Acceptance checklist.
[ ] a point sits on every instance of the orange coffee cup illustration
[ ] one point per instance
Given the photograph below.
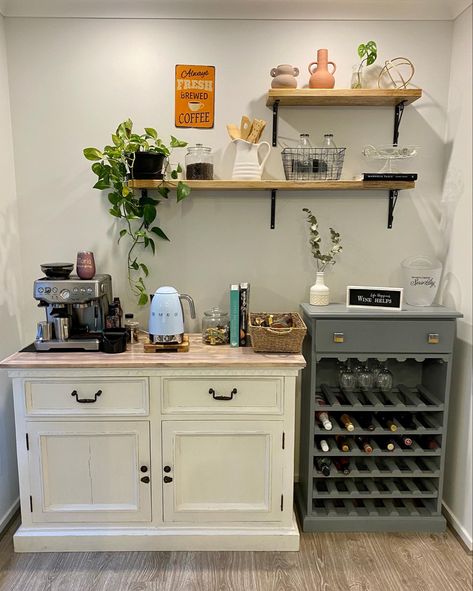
(195, 105)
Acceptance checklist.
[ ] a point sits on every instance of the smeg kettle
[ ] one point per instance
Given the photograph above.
(166, 316)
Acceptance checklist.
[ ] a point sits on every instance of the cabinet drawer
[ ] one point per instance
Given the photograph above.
(238, 395)
(389, 336)
(66, 396)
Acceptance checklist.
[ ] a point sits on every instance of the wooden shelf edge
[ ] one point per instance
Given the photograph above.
(231, 185)
(361, 97)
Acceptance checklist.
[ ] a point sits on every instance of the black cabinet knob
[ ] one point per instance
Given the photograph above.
(144, 468)
(167, 479)
(145, 479)
(167, 468)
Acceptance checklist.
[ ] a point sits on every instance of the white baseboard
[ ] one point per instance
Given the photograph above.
(9, 514)
(457, 526)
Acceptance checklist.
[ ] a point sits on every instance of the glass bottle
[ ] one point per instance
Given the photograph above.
(215, 327)
(302, 164)
(328, 141)
(131, 327)
(199, 163)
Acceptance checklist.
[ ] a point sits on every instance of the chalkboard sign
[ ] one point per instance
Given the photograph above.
(359, 296)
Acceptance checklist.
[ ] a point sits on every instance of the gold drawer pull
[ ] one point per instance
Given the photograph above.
(338, 337)
(433, 338)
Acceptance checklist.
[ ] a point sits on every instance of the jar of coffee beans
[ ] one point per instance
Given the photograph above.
(199, 163)
(215, 327)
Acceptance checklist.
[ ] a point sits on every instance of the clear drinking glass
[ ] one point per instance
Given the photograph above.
(365, 378)
(347, 378)
(384, 380)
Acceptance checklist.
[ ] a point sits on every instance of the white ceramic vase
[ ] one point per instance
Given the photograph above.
(247, 160)
(319, 292)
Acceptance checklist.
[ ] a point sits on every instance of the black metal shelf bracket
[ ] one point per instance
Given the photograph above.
(273, 208)
(275, 122)
(393, 195)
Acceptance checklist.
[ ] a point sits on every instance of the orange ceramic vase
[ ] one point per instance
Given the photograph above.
(320, 76)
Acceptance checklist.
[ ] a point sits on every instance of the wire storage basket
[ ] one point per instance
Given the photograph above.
(313, 164)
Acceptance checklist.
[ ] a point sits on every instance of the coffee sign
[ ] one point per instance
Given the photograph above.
(359, 296)
(195, 96)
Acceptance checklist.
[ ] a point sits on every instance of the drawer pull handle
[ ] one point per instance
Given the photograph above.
(86, 400)
(145, 479)
(167, 479)
(338, 337)
(144, 469)
(433, 338)
(167, 469)
(217, 397)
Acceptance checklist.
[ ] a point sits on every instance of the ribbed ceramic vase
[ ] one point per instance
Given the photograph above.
(319, 292)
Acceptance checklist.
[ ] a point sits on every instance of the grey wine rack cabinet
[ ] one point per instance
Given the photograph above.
(398, 490)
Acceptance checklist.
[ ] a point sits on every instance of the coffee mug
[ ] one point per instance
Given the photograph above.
(195, 105)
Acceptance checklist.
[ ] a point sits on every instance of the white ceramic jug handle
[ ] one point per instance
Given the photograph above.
(262, 163)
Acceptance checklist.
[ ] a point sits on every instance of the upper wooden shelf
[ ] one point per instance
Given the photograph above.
(277, 184)
(342, 97)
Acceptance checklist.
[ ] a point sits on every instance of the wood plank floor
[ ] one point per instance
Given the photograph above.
(326, 562)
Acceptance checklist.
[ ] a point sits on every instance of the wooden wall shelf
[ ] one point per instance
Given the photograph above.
(280, 185)
(342, 97)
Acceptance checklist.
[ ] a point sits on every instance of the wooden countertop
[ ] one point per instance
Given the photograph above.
(199, 355)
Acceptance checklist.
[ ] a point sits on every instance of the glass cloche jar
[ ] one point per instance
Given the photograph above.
(199, 163)
(215, 327)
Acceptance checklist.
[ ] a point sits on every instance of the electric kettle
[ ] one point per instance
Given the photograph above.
(166, 316)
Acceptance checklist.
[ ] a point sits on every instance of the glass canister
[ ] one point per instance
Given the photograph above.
(199, 163)
(215, 327)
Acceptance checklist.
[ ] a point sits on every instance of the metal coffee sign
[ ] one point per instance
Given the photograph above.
(195, 96)
(359, 296)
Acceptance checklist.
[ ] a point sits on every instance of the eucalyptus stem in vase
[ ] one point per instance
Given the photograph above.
(319, 292)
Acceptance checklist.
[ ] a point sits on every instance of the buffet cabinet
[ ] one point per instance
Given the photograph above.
(156, 458)
(386, 472)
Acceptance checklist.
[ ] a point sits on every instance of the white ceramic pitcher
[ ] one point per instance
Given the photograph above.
(247, 160)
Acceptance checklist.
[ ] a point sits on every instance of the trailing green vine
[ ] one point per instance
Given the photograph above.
(136, 211)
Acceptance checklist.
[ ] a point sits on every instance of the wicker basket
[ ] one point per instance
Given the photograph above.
(277, 340)
(313, 164)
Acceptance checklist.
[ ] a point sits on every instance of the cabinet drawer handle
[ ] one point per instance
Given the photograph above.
(167, 479)
(433, 338)
(86, 400)
(145, 479)
(217, 397)
(338, 337)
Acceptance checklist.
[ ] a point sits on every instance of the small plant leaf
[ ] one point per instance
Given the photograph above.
(93, 154)
(371, 59)
(122, 233)
(183, 191)
(151, 132)
(361, 49)
(143, 299)
(159, 233)
(175, 143)
(152, 244)
(145, 269)
(115, 212)
(101, 185)
(149, 214)
(164, 191)
(98, 168)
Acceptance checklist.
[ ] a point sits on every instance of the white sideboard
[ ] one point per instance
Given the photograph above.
(169, 451)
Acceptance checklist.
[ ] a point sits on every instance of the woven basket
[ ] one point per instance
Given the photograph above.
(265, 339)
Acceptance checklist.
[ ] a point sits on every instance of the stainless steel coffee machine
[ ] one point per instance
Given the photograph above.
(75, 312)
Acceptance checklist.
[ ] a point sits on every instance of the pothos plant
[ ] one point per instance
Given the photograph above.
(368, 52)
(322, 260)
(137, 212)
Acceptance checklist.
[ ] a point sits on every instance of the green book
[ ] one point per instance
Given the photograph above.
(234, 315)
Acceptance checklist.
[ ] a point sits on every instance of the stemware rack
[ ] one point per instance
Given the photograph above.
(397, 490)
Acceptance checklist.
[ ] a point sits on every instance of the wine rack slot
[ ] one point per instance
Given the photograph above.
(373, 423)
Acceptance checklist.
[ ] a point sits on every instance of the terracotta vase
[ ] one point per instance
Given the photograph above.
(321, 77)
(284, 76)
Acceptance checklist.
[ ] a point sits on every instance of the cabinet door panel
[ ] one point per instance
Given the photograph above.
(89, 472)
(223, 471)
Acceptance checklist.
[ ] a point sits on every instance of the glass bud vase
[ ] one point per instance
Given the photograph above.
(319, 292)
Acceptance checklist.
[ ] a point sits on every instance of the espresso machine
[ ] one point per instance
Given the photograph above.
(75, 312)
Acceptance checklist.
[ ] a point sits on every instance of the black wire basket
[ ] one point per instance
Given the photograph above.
(313, 164)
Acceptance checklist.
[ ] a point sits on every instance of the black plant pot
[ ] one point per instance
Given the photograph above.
(147, 165)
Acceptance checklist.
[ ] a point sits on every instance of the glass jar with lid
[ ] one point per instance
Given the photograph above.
(215, 327)
(199, 163)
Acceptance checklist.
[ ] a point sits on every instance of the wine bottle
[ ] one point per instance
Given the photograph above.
(390, 445)
(342, 443)
(323, 465)
(364, 444)
(320, 400)
(323, 417)
(342, 465)
(366, 421)
(405, 441)
(346, 421)
(324, 446)
(430, 443)
(387, 422)
(406, 420)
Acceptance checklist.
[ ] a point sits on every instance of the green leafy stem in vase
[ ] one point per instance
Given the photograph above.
(368, 52)
(136, 211)
(322, 260)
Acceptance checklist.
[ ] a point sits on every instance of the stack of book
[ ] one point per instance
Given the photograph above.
(239, 314)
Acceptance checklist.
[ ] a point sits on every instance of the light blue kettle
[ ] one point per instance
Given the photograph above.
(166, 316)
